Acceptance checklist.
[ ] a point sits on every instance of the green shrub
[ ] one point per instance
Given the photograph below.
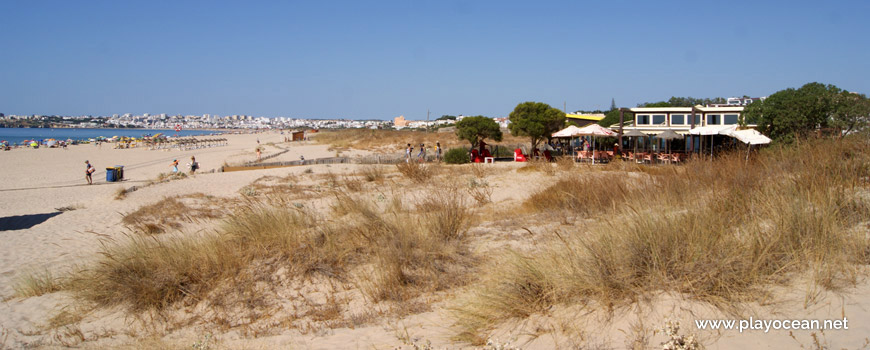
(457, 156)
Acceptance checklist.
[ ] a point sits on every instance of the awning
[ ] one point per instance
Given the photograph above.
(713, 130)
(750, 136)
(592, 117)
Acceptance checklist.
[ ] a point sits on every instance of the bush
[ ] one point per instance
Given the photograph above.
(457, 156)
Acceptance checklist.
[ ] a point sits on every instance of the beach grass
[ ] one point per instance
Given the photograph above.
(36, 283)
(719, 232)
(392, 251)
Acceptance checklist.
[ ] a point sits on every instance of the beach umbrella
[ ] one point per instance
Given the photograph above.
(667, 135)
(634, 133)
(594, 130)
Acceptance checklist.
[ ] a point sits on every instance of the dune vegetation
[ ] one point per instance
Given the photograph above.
(719, 232)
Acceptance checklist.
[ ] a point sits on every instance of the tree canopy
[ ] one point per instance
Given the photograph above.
(675, 101)
(537, 120)
(791, 113)
(612, 117)
(478, 128)
(447, 117)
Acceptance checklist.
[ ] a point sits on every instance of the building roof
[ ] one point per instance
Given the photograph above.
(686, 109)
(592, 117)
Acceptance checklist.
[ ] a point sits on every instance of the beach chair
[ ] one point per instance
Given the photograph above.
(475, 157)
(519, 156)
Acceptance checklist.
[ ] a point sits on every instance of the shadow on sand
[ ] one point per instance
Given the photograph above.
(23, 222)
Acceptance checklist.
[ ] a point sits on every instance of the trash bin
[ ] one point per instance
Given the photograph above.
(120, 175)
(111, 175)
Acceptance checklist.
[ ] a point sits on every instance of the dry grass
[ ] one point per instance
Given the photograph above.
(418, 172)
(392, 253)
(171, 212)
(480, 191)
(717, 232)
(36, 283)
(539, 165)
(372, 172)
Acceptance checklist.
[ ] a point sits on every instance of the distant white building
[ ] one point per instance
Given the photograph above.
(742, 101)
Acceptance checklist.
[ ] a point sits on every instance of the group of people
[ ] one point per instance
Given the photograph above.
(194, 165)
(421, 156)
(90, 170)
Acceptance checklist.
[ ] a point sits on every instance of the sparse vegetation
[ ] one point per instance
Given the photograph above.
(36, 283)
(372, 172)
(718, 232)
(171, 212)
(417, 172)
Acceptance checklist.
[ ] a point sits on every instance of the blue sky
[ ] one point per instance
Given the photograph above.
(381, 59)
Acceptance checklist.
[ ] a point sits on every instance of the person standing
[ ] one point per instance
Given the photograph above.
(438, 151)
(193, 165)
(174, 166)
(89, 170)
(408, 151)
(421, 157)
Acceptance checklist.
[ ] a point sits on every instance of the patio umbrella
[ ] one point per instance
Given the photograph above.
(668, 135)
(634, 133)
(594, 130)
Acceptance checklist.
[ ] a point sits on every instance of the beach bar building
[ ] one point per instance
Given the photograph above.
(655, 120)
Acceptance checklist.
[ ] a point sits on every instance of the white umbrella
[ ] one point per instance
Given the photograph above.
(570, 131)
(594, 130)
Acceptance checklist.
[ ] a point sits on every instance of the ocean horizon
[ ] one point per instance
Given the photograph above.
(18, 135)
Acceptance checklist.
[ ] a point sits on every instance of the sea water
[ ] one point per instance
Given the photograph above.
(17, 135)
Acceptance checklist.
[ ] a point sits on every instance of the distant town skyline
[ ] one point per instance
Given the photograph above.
(361, 60)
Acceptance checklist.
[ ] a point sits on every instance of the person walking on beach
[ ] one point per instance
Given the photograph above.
(174, 166)
(438, 151)
(408, 152)
(421, 157)
(89, 170)
(193, 165)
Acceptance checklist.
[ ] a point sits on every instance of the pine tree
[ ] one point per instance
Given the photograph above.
(612, 104)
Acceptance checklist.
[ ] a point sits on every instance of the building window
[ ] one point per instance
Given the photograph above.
(698, 119)
(678, 119)
(731, 119)
(713, 119)
(658, 119)
(643, 119)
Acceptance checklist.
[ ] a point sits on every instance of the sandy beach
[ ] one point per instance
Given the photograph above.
(63, 220)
